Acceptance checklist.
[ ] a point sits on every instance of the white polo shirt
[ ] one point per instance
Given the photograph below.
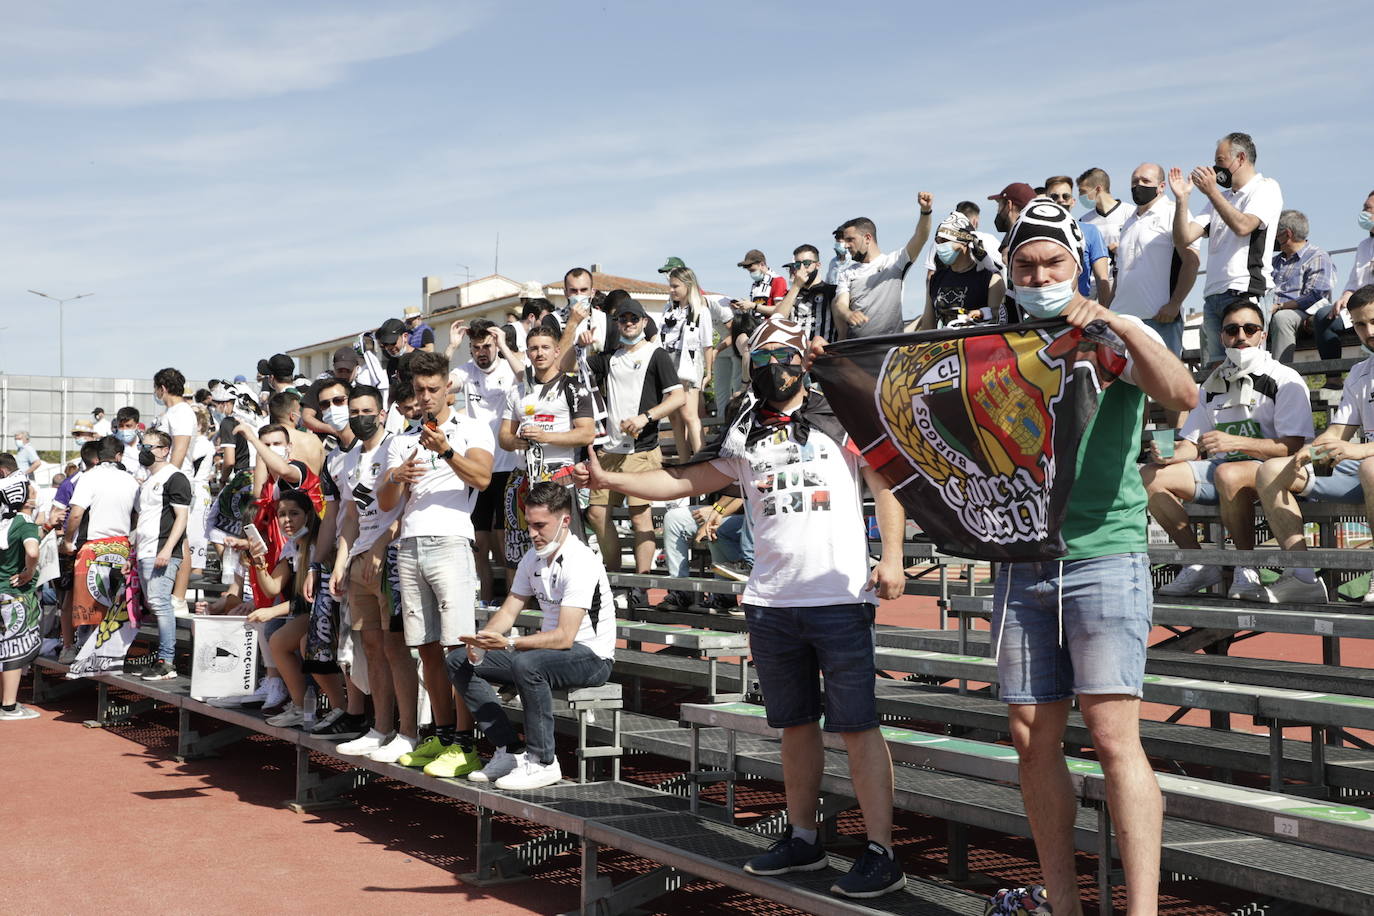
(1145, 259)
(1357, 407)
(107, 494)
(574, 578)
(439, 503)
(1242, 262)
(1362, 271)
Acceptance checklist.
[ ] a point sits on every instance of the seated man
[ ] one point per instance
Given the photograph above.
(727, 537)
(574, 648)
(1334, 469)
(1250, 408)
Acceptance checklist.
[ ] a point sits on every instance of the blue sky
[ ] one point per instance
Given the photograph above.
(235, 179)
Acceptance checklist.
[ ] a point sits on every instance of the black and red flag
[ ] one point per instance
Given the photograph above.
(976, 430)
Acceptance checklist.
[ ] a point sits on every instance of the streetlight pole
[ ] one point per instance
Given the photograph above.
(62, 361)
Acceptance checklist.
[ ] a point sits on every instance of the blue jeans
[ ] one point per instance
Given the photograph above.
(1103, 606)
(157, 595)
(535, 672)
(680, 527)
(1170, 332)
(794, 646)
(438, 575)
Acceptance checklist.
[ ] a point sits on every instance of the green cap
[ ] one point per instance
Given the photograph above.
(670, 264)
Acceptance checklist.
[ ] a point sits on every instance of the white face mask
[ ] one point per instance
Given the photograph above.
(336, 417)
(550, 548)
(279, 450)
(1244, 358)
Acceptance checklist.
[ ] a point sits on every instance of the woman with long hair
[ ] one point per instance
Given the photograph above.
(687, 333)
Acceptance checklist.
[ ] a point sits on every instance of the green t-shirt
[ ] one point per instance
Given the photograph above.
(12, 556)
(1107, 504)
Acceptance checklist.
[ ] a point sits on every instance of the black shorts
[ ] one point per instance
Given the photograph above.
(490, 511)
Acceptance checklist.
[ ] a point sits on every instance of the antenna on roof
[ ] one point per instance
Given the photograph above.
(496, 262)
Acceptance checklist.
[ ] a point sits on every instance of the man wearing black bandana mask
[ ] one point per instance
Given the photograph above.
(1153, 277)
(811, 599)
(1240, 218)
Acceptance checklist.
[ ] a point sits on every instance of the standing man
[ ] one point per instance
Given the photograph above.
(180, 424)
(1105, 212)
(1362, 270)
(1095, 280)
(1240, 219)
(589, 332)
(434, 471)
(419, 335)
(869, 303)
(486, 382)
(809, 299)
(641, 387)
(1153, 276)
(99, 423)
(25, 455)
(102, 516)
(767, 288)
(1102, 584)
(810, 601)
(574, 647)
(1303, 278)
(164, 504)
(841, 263)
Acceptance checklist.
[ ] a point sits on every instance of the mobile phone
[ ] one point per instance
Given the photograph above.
(256, 545)
(432, 421)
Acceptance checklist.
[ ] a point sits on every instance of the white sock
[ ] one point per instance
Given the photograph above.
(1305, 575)
(807, 835)
(1194, 568)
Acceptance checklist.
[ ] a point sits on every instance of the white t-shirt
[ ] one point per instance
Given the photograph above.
(180, 420)
(810, 540)
(678, 332)
(1362, 271)
(520, 332)
(203, 451)
(1281, 407)
(102, 427)
(1109, 223)
(159, 499)
(595, 322)
(875, 288)
(1242, 262)
(575, 578)
(107, 495)
(439, 503)
(358, 480)
(546, 406)
(486, 395)
(1145, 259)
(1357, 399)
(721, 312)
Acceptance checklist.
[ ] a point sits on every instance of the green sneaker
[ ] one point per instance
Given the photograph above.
(422, 755)
(454, 761)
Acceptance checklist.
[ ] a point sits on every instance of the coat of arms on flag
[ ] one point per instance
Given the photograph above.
(976, 430)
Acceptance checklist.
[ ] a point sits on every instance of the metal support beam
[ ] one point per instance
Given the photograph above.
(498, 863)
(192, 745)
(628, 895)
(314, 791)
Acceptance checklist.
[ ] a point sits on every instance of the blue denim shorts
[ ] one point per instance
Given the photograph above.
(1341, 486)
(1204, 481)
(1106, 606)
(794, 647)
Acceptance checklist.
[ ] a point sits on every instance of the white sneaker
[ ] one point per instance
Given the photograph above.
(1246, 586)
(1369, 595)
(289, 717)
(531, 774)
(1289, 589)
(1192, 579)
(501, 763)
(276, 692)
(393, 749)
(363, 745)
(179, 607)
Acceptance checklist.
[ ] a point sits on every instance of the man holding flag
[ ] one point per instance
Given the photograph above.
(811, 599)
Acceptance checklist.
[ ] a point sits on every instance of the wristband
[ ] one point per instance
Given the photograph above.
(717, 510)
(927, 212)
(510, 643)
(447, 453)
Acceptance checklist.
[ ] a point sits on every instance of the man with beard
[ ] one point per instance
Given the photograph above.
(811, 599)
(869, 302)
(809, 298)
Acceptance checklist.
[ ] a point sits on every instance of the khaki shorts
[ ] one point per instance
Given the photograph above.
(651, 460)
(368, 607)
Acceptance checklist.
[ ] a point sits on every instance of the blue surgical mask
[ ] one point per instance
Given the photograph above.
(757, 276)
(127, 436)
(840, 249)
(1046, 301)
(1366, 221)
(1365, 349)
(1086, 202)
(947, 252)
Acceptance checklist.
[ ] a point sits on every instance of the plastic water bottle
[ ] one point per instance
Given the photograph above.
(311, 704)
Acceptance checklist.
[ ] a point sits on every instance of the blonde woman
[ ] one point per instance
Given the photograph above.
(687, 336)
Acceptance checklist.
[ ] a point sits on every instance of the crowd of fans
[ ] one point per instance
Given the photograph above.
(364, 515)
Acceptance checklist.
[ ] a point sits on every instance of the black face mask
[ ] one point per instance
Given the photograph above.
(776, 383)
(1223, 177)
(1143, 194)
(364, 427)
(1002, 222)
(146, 458)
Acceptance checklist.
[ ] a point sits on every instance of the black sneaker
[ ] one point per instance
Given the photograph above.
(676, 601)
(789, 853)
(874, 873)
(637, 597)
(341, 727)
(67, 655)
(159, 671)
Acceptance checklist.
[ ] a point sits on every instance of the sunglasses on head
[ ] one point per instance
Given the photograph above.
(784, 355)
(1235, 329)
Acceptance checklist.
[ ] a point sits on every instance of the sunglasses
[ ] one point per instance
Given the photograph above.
(628, 319)
(1065, 196)
(339, 401)
(806, 263)
(1235, 329)
(784, 355)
